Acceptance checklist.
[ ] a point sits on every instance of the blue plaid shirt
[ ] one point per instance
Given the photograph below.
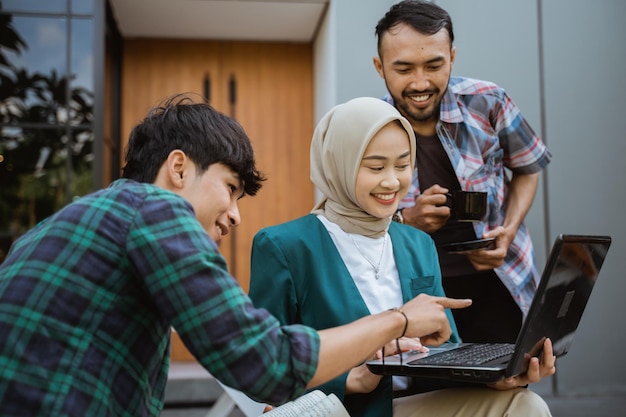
(483, 131)
(88, 297)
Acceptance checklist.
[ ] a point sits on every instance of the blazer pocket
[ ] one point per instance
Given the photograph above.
(421, 285)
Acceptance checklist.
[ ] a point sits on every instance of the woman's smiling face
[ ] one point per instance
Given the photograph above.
(385, 172)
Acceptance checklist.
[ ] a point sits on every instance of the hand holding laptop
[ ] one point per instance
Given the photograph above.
(538, 368)
(427, 319)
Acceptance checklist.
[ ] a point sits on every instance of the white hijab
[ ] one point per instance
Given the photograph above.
(338, 144)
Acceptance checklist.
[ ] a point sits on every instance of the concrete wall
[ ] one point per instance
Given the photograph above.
(585, 63)
(563, 62)
(344, 50)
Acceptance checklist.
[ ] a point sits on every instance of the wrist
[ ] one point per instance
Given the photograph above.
(406, 320)
(361, 381)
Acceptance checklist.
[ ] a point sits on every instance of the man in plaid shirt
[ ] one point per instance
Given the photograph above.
(468, 131)
(88, 296)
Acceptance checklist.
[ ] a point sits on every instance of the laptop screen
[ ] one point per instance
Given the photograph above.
(568, 278)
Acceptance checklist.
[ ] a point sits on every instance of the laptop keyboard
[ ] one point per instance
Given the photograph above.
(474, 354)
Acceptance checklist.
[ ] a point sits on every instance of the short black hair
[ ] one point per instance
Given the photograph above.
(204, 134)
(423, 16)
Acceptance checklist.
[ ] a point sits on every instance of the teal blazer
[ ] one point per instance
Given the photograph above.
(298, 275)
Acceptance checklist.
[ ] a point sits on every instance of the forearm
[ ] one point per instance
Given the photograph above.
(344, 347)
(521, 196)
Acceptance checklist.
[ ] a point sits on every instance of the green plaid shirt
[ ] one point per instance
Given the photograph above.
(87, 299)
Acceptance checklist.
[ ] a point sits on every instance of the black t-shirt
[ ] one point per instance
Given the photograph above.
(434, 167)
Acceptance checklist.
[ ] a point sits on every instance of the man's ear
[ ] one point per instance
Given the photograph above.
(378, 64)
(172, 174)
(452, 57)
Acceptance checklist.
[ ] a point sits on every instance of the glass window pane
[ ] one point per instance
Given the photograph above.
(34, 82)
(82, 72)
(82, 6)
(54, 6)
(31, 176)
(34, 177)
(44, 162)
(8, 187)
(81, 150)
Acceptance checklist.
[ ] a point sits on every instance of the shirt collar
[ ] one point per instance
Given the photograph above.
(450, 111)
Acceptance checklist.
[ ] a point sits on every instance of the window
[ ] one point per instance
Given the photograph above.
(46, 110)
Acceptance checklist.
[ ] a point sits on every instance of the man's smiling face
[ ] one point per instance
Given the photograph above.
(416, 69)
(214, 195)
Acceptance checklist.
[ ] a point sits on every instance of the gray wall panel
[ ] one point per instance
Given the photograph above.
(585, 90)
(356, 47)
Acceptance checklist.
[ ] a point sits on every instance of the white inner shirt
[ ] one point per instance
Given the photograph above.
(379, 294)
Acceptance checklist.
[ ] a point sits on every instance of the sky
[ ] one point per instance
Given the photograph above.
(46, 38)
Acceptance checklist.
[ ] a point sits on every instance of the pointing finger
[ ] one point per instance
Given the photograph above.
(454, 302)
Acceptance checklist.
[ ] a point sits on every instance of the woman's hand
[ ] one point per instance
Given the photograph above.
(537, 370)
(360, 380)
(406, 344)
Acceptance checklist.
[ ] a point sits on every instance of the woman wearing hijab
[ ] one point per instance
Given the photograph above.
(347, 259)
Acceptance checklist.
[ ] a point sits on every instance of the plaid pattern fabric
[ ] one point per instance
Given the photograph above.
(88, 297)
(483, 132)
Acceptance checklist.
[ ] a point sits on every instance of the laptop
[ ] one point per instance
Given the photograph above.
(570, 273)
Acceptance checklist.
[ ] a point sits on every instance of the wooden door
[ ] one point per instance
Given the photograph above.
(154, 69)
(273, 101)
(274, 90)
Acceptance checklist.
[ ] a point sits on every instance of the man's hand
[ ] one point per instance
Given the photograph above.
(537, 370)
(522, 191)
(429, 213)
(427, 318)
(485, 259)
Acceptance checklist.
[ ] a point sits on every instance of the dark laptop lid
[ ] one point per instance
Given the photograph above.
(568, 278)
